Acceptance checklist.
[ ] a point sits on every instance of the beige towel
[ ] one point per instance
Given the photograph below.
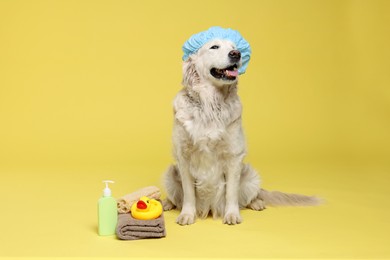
(124, 204)
(129, 228)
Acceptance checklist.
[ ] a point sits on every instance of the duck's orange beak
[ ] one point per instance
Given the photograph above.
(141, 204)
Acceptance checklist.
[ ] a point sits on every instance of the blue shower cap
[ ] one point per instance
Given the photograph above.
(196, 41)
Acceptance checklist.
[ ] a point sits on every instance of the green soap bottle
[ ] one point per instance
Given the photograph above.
(107, 212)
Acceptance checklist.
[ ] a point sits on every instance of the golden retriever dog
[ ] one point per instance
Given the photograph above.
(209, 176)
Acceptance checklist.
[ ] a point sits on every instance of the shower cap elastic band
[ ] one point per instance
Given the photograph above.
(196, 41)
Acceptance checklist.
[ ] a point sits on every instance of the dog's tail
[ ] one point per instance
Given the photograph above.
(277, 198)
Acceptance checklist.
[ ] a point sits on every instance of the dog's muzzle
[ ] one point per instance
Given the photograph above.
(229, 73)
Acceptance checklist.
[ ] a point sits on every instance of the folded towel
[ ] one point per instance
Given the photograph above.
(129, 228)
(124, 204)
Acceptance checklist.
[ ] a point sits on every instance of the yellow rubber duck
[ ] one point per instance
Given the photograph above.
(146, 209)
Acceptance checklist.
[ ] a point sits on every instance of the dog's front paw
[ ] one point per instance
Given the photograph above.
(232, 218)
(185, 219)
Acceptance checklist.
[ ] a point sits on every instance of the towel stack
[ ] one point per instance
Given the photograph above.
(129, 228)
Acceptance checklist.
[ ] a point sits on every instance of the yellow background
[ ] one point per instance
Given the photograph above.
(86, 89)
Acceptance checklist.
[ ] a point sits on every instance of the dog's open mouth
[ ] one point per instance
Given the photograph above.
(229, 73)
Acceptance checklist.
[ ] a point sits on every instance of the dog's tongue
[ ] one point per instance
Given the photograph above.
(232, 73)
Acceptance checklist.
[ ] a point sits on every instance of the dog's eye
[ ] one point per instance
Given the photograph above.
(214, 47)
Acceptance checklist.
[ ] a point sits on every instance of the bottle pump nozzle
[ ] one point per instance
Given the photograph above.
(107, 191)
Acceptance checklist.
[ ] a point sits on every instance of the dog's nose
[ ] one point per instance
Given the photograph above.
(235, 55)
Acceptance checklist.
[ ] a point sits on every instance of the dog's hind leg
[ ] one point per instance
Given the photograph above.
(249, 195)
(257, 203)
(174, 189)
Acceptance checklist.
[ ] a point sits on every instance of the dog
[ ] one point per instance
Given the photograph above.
(209, 176)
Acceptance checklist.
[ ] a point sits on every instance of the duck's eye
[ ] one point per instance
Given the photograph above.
(214, 47)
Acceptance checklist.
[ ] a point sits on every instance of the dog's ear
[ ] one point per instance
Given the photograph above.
(190, 75)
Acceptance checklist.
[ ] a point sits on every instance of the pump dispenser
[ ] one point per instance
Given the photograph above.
(107, 191)
(107, 212)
